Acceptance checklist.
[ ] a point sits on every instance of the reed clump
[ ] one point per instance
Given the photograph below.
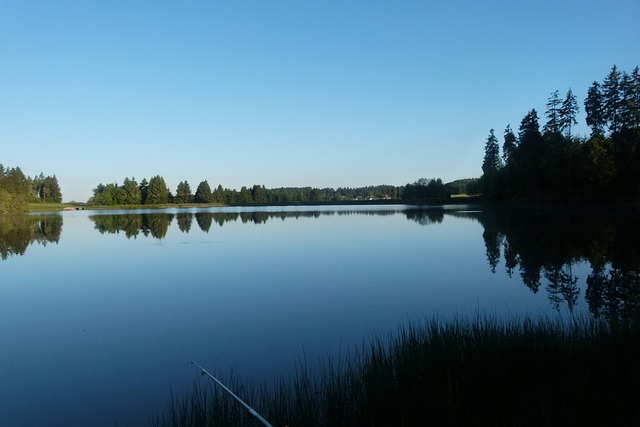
(476, 372)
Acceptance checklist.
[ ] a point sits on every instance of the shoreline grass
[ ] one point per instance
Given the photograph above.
(480, 372)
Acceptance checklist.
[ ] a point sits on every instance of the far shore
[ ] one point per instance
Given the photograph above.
(73, 206)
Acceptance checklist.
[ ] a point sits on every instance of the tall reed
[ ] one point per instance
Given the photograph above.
(478, 372)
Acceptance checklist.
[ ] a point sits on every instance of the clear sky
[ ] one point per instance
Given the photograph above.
(288, 93)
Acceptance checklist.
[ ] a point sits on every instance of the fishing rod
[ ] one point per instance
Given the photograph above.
(249, 408)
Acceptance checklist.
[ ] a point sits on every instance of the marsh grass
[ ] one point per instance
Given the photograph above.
(476, 372)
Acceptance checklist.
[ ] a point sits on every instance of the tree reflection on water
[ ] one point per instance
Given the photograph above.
(540, 245)
(547, 243)
(18, 232)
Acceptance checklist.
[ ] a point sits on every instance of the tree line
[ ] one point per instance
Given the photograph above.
(553, 163)
(156, 192)
(18, 190)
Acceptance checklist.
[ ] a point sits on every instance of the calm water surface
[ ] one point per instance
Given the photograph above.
(101, 312)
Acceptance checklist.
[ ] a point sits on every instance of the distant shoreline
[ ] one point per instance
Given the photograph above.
(36, 207)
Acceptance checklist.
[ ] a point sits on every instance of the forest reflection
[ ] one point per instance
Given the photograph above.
(157, 224)
(543, 245)
(18, 232)
(539, 246)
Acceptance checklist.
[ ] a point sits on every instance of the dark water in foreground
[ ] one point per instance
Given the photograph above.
(101, 312)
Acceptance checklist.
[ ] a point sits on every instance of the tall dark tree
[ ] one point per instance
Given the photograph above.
(37, 182)
(530, 155)
(612, 96)
(568, 113)
(635, 97)
(259, 194)
(630, 99)
(129, 193)
(203, 193)
(50, 190)
(529, 130)
(144, 189)
(594, 108)
(553, 114)
(15, 190)
(158, 192)
(183, 193)
(219, 195)
(492, 162)
(245, 195)
(509, 146)
(491, 166)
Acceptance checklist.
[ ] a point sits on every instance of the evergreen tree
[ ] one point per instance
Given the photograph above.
(594, 108)
(553, 114)
(568, 113)
(203, 193)
(245, 195)
(157, 192)
(183, 193)
(635, 98)
(630, 97)
(49, 190)
(54, 188)
(37, 183)
(15, 190)
(529, 155)
(144, 189)
(259, 194)
(129, 193)
(612, 97)
(509, 146)
(491, 163)
(529, 130)
(219, 195)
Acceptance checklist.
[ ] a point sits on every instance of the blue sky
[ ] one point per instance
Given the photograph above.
(288, 93)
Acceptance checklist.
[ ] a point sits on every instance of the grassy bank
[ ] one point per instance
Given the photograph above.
(48, 207)
(481, 372)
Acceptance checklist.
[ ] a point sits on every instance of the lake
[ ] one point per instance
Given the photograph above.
(101, 312)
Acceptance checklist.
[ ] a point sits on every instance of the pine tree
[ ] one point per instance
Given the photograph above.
(553, 114)
(129, 193)
(612, 97)
(635, 98)
(529, 131)
(530, 155)
(203, 193)
(15, 190)
(144, 189)
(183, 193)
(509, 146)
(629, 108)
(219, 195)
(158, 192)
(492, 162)
(568, 112)
(594, 108)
